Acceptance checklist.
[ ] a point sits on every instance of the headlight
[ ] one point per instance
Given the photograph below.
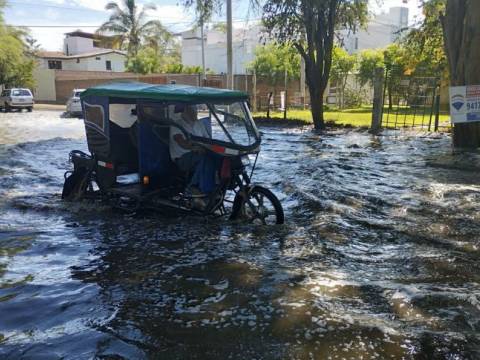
(245, 160)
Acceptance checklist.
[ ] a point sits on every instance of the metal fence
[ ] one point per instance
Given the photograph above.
(411, 102)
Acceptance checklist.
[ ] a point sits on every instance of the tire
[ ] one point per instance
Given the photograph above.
(76, 185)
(7, 108)
(30, 109)
(256, 210)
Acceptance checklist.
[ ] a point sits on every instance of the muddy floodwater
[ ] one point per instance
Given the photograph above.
(379, 257)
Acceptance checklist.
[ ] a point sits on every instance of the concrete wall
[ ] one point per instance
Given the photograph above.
(98, 63)
(73, 45)
(44, 90)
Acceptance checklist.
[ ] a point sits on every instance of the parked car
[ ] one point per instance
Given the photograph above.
(16, 98)
(74, 106)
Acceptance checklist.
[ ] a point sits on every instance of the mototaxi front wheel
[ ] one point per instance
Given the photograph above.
(260, 206)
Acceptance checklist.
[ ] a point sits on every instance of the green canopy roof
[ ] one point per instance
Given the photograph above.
(181, 93)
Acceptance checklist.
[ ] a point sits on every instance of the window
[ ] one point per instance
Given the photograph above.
(55, 64)
(6, 93)
(98, 58)
(108, 65)
(356, 43)
(78, 60)
(94, 116)
(21, 92)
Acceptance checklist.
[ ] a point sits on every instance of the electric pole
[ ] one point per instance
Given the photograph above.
(204, 72)
(229, 46)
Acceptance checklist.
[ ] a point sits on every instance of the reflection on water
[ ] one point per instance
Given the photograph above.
(379, 258)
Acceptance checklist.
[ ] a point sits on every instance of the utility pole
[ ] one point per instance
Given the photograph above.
(302, 80)
(229, 46)
(204, 72)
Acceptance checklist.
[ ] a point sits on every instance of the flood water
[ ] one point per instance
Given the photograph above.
(379, 257)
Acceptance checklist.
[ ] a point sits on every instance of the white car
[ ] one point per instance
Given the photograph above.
(16, 99)
(74, 106)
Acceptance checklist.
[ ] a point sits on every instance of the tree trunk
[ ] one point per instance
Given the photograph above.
(390, 97)
(316, 90)
(462, 38)
(316, 103)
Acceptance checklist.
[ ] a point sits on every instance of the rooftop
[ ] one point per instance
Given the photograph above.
(61, 55)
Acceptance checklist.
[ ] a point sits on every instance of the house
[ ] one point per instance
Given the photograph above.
(84, 55)
(381, 31)
(215, 41)
(99, 60)
(84, 51)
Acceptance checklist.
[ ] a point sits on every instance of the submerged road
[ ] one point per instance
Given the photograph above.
(379, 257)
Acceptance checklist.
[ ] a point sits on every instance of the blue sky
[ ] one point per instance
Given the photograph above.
(46, 18)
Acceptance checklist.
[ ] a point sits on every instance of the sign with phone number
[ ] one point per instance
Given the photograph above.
(465, 103)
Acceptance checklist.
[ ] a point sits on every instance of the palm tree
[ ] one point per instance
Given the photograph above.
(128, 24)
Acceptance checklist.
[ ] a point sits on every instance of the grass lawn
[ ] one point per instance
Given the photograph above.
(361, 117)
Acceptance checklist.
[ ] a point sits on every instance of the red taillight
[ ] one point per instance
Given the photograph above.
(226, 170)
(218, 149)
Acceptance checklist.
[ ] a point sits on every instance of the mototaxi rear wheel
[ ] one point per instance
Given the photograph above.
(260, 206)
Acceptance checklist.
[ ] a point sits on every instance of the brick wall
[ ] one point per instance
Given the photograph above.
(66, 81)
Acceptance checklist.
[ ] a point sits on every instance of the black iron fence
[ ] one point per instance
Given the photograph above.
(411, 102)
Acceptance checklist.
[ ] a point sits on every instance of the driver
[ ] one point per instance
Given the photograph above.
(184, 154)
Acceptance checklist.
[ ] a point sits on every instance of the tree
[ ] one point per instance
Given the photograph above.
(310, 25)
(16, 64)
(274, 61)
(424, 46)
(129, 24)
(395, 62)
(145, 62)
(368, 61)
(342, 65)
(461, 36)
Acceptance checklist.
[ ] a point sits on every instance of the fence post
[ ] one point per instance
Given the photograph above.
(285, 96)
(254, 91)
(437, 111)
(377, 100)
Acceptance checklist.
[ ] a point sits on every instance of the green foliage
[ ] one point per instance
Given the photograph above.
(204, 9)
(395, 59)
(342, 65)
(272, 60)
(16, 64)
(368, 61)
(131, 28)
(311, 27)
(220, 26)
(354, 98)
(178, 68)
(424, 45)
(145, 62)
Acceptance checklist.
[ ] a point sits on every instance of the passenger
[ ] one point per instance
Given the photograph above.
(187, 156)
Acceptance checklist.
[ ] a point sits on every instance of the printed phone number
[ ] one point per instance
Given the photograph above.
(475, 105)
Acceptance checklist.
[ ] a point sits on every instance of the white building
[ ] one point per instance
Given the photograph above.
(80, 42)
(381, 31)
(82, 52)
(244, 43)
(100, 60)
